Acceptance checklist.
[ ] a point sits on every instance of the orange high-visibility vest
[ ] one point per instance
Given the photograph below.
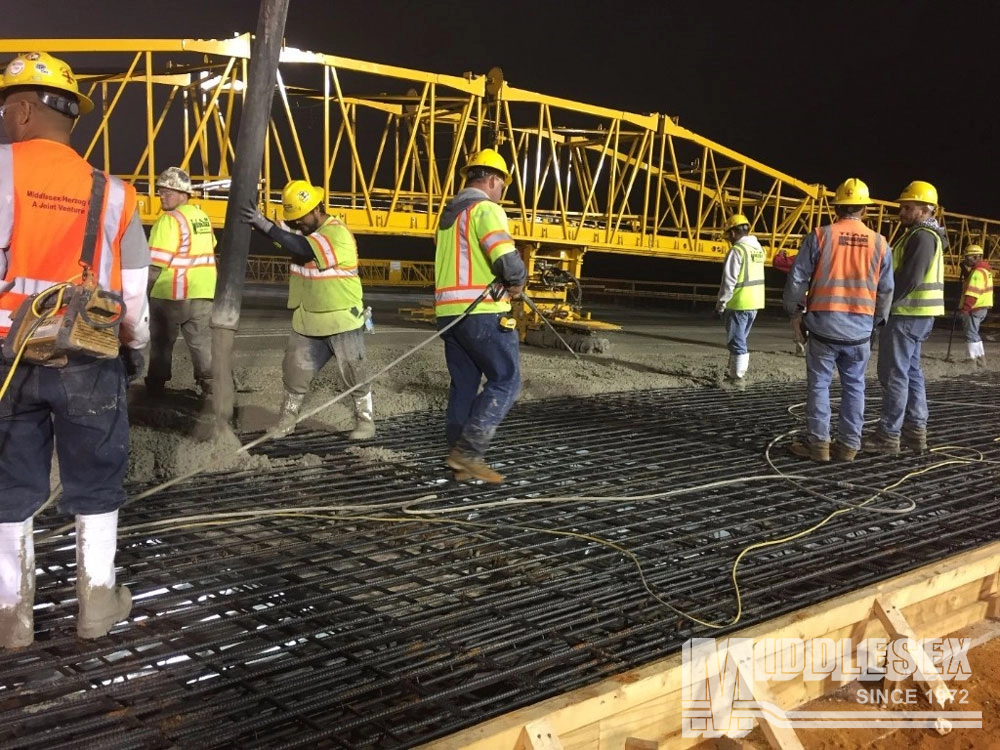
(979, 286)
(44, 196)
(848, 268)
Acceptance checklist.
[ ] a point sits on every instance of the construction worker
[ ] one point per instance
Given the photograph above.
(846, 269)
(324, 290)
(182, 283)
(918, 268)
(474, 249)
(977, 299)
(741, 293)
(48, 195)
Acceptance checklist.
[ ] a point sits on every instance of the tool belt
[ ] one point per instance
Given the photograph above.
(70, 319)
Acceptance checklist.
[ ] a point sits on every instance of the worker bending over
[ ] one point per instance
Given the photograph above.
(977, 299)
(324, 290)
(918, 266)
(741, 293)
(63, 221)
(846, 269)
(182, 283)
(474, 248)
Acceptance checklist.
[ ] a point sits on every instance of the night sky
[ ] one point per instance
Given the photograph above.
(886, 91)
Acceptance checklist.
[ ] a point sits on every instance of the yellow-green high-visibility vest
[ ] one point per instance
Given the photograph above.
(464, 258)
(927, 299)
(182, 244)
(749, 292)
(980, 287)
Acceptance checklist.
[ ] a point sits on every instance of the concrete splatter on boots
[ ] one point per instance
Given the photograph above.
(472, 467)
(364, 418)
(913, 437)
(290, 409)
(882, 443)
(17, 585)
(814, 450)
(841, 452)
(102, 603)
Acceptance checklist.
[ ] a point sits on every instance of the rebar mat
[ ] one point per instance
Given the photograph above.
(370, 627)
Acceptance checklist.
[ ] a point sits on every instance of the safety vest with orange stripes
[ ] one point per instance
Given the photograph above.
(979, 286)
(463, 263)
(182, 243)
(326, 292)
(45, 190)
(848, 267)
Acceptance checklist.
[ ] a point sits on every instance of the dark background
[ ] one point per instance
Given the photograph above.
(885, 91)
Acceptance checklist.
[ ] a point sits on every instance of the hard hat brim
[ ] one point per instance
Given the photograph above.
(465, 170)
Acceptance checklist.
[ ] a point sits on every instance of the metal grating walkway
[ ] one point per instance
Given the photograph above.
(308, 627)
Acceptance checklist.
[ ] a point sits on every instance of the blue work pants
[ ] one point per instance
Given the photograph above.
(971, 322)
(82, 407)
(904, 398)
(850, 361)
(738, 324)
(475, 348)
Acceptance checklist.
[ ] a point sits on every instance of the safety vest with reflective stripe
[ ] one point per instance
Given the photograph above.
(749, 291)
(464, 259)
(979, 286)
(927, 299)
(182, 243)
(326, 292)
(45, 192)
(848, 268)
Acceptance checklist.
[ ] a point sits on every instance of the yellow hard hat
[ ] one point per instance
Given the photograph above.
(973, 250)
(299, 198)
(488, 158)
(919, 191)
(42, 69)
(852, 192)
(737, 220)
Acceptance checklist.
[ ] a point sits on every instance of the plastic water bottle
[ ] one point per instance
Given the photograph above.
(369, 323)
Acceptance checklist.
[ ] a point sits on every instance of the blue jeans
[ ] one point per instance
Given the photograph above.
(82, 406)
(903, 396)
(479, 347)
(971, 323)
(850, 361)
(738, 324)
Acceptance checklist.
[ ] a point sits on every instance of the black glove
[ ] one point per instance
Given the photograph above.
(133, 361)
(250, 215)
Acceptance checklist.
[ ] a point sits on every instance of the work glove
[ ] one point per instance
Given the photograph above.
(799, 326)
(250, 215)
(133, 360)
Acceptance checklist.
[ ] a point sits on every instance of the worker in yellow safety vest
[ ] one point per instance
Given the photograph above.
(474, 249)
(977, 299)
(741, 293)
(324, 291)
(60, 220)
(918, 270)
(182, 283)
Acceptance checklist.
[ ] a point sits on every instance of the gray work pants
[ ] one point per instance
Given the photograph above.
(189, 317)
(306, 355)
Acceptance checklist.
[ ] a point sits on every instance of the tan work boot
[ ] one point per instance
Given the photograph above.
(879, 442)
(475, 468)
(290, 409)
(818, 451)
(914, 438)
(17, 585)
(841, 452)
(364, 418)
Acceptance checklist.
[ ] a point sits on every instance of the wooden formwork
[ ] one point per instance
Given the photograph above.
(641, 709)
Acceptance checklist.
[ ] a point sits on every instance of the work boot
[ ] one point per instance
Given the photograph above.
(290, 409)
(156, 388)
(841, 452)
(474, 467)
(814, 450)
(102, 603)
(882, 443)
(17, 585)
(914, 438)
(364, 418)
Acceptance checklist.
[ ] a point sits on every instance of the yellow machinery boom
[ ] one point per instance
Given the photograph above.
(385, 143)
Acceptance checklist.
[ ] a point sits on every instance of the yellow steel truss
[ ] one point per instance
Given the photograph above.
(385, 142)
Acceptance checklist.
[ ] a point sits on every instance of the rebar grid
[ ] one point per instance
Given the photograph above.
(324, 630)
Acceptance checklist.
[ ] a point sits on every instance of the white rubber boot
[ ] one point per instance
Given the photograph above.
(17, 584)
(364, 418)
(971, 350)
(102, 603)
(742, 364)
(290, 409)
